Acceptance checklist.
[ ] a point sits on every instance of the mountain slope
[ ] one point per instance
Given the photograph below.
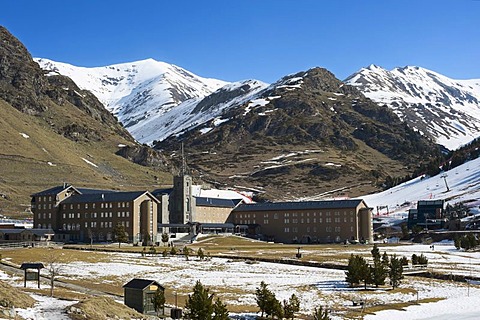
(306, 134)
(51, 132)
(137, 91)
(447, 110)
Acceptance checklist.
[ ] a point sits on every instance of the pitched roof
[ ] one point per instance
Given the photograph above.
(32, 265)
(299, 205)
(215, 202)
(141, 284)
(52, 191)
(107, 197)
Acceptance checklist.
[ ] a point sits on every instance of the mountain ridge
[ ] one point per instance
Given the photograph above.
(447, 110)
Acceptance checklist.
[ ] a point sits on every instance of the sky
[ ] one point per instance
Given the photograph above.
(234, 40)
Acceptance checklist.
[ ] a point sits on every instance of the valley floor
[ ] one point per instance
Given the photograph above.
(234, 282)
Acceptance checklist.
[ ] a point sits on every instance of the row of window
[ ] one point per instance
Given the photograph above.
(120, 214)
(320, 220)
(314, 229)
(103, 205)
(297, 214)
(93, 224)
(303, 221)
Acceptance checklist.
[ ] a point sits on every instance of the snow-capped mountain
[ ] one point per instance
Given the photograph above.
(196, 112)
(448, 110)
(138, 91)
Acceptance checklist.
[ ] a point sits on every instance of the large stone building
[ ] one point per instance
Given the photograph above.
(78, 214)
(306, 222)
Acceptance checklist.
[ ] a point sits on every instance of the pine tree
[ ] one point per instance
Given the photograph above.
(200, 254)
(199, 305)
(291, 306)
(158, 301)
(365, 272)
(352, 275)
(396, 271)
(120, 234)
(379, 270)
(320, 314)
(186, 252)
(220, 311)
(263, 296)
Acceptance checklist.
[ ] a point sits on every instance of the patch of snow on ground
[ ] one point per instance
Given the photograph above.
(26, 136)
(90, 162)
(46, 308)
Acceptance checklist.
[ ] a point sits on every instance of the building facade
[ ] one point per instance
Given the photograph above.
(429, 214)
(306, 222)
(79, 215)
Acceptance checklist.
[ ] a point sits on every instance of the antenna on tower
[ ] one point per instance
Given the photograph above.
(183, 162)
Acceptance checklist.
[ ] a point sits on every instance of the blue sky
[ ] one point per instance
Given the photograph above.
(254, 39)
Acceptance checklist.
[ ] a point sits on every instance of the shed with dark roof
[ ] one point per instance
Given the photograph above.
(139, 294)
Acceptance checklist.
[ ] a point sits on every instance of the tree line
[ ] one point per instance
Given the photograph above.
(383, 267)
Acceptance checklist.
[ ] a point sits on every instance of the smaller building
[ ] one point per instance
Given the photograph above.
(430, 214)
(25, 235)
(139, 294)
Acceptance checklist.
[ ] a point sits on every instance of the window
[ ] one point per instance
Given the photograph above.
(93, 205)
(328, 220)
(344, 219)
(320, 220)
(127, 214)
(286, 221)
(275, 216)
(308, 229)
(128, 224)
(287, 229)
(110, 224)
(101, 205)
(64, 216)
(265, 221)
(128, 204)
(94, 214)
(118, 204)
(71, 206)
(86, 224)
(78, 215)
(351, 229)
(351, 219)
(337, 229)
(294, 229)
(315, 220)
(86, 205)
(337, 219)
(78, 206)
(49, 215)
(328, 229)
(118, 214)
(295, 220)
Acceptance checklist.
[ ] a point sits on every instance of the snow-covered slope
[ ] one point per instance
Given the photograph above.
(446, 109)
(137, 91)
(463, 184)
(195, 112)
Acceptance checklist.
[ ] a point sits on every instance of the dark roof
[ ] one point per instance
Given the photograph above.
(141, 284)
(13, 231)
(32, 265)
(51, 191)
(301, 205)
(215, 202)
(106, 197)
(217, 225)
(93, 191)
(162, 191)
(42, 232)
